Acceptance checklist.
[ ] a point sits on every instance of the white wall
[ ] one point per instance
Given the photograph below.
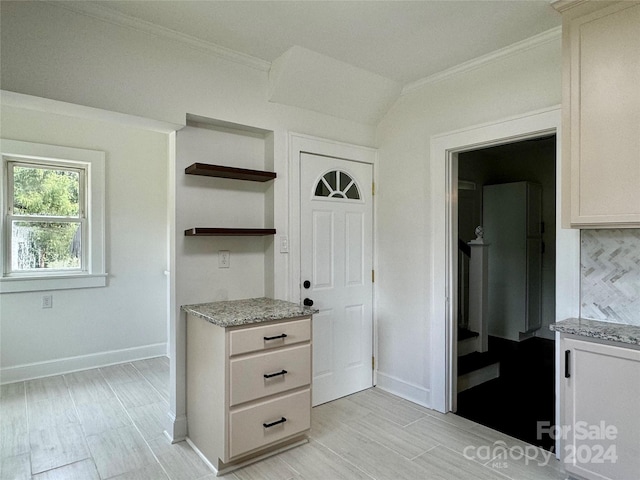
(512, 85)
(215, 202)
(52, 52)
(126, 319)
(55, 53)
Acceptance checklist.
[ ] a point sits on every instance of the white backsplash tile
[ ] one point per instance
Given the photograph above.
(610, 275)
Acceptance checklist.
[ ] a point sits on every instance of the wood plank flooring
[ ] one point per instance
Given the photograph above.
(108, 423)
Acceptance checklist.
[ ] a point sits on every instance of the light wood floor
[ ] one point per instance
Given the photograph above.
(108, 423)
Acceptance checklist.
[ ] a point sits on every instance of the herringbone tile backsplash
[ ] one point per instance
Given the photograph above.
(610, 275)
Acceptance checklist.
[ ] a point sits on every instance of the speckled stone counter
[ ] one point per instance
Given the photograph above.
(232, 313)
(614, 332)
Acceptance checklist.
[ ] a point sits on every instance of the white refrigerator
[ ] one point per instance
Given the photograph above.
(512, 221)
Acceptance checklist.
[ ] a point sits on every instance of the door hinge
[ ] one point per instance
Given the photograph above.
(373, 188)
(373, 276)
(373, 363)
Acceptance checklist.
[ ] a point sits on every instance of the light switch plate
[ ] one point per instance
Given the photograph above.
(284, 244)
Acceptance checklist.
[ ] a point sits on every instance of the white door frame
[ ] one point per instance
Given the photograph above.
(443, 187)
(301, 143)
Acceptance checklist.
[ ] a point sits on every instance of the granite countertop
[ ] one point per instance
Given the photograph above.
(615, 332)
(231, 313)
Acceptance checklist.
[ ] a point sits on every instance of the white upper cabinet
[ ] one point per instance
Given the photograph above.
(601, 114)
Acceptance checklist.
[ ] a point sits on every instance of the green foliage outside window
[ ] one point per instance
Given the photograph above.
(41, 241)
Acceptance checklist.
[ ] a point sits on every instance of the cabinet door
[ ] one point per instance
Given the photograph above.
(601, 425)
(605, 116)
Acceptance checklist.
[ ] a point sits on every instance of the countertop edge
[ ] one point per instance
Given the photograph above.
(614, 332)
(233, 313)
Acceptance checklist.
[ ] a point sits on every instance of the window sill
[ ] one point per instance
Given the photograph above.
(43, 283)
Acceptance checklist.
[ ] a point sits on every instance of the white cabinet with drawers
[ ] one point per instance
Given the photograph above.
(248, 388)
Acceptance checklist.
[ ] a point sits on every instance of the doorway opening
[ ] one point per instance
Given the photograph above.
(507, 269)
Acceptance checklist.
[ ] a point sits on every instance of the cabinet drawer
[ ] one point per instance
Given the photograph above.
(247, 374)
(247, 430)
(255, 339)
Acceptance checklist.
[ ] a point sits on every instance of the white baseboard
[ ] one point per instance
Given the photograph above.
(176, 430)
(408, 391)
(228, 468)
(29, 371)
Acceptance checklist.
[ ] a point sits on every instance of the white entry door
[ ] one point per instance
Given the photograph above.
(336, 272)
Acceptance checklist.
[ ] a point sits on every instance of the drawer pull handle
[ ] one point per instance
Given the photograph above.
(277, 422)
(284, 335)
(567, 370)
(271, 375)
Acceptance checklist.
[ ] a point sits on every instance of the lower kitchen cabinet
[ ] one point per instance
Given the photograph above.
(248, 389)
(600, 398)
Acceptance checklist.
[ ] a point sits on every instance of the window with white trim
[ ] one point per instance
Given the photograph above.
(53, 217)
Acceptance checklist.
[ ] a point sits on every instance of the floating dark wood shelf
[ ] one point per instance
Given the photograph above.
(229, 172)
(228, 232)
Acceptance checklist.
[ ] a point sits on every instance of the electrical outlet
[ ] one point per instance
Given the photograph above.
(224, 258)
(47, 301)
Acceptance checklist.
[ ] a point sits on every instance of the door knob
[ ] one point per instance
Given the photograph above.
(306, 284)
(308, 302)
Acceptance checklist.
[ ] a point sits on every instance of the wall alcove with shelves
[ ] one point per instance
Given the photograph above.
(224, 195)
(234, 173)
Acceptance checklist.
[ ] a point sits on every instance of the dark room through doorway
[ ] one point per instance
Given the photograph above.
(506, 375)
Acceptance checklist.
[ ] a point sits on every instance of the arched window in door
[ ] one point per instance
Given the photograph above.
(337, 184)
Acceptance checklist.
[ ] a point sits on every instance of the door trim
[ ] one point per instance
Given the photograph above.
(444, 150)
(300, 143)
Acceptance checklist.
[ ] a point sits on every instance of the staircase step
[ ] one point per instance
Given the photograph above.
(475, 360)
(464, 334)
(477, 368)
(467, 346)
(478, 377)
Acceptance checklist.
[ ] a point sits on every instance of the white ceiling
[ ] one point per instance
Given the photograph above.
(403, 41)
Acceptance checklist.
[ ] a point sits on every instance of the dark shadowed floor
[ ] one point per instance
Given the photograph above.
(523, 395)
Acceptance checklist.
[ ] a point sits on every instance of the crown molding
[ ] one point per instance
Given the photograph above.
(563, 5)
(518, 47)
(40, 104)
(108, 15)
